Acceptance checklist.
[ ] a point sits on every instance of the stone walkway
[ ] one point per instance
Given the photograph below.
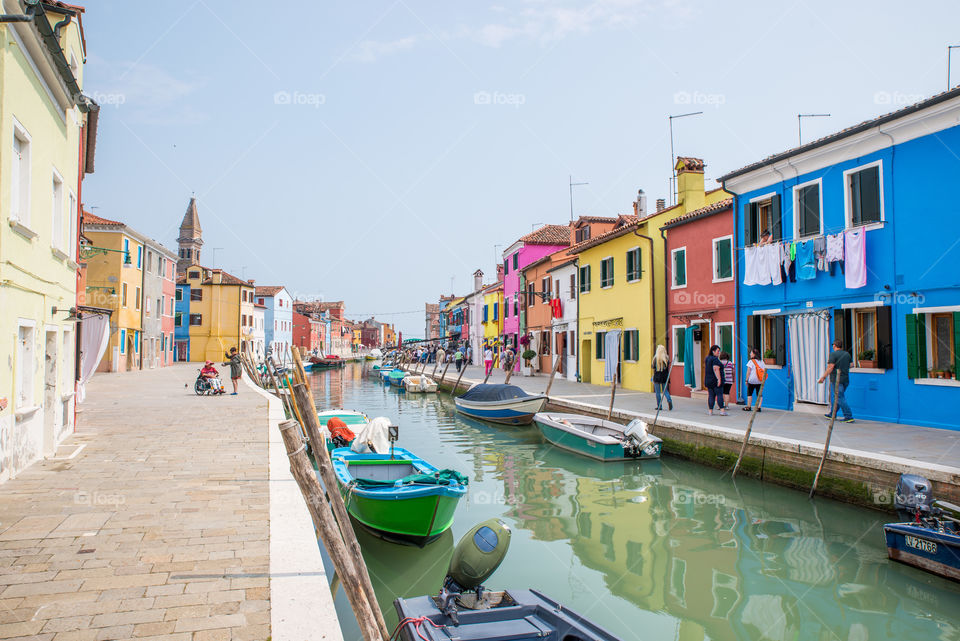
(152, 522)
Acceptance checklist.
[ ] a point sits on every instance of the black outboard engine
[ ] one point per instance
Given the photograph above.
(913, 492)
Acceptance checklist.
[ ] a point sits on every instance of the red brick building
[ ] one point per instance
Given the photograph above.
(701, 292)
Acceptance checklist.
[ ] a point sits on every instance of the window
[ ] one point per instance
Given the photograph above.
(178, 319)
(725, 338)
(572, 342)
(585, 279)
(195, 275)
(196, 293)
(631, 345)
(545, 343)
(530, 297)
(545, 285)
(149, 261)
(136, 301)
(806, 207)
(864, 200)
(506, 266)
(171, 307)
(496, 311)
(485, 314)
(126, 250)
(196, 319)
(516, 261)
(932, 344)
(679, 267)
(722, 259)
(768, 334)
(573, 286)
(56, 230)
(139, 256)
(679, 333)
(762, 215)
(260, 302)
(634, 269)
(583, 234)
(515, 309)
(159, 308)
(20, 178)
(26, 366)
(599, 346)
(866, 332)
(178, 295)
(146, 309)
(123, 295)
(123, 341)
(606, 272)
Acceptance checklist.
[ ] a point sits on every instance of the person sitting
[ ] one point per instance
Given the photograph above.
(766, 237)
(210, 373)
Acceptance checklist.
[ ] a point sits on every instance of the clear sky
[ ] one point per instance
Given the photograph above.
(377, 152)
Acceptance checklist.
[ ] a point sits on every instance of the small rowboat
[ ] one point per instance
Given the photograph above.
(419, 384)
(507, 404)
(350, 417)
(598, 438)
(395, 378)
(326, 362)
(925, 547)
(399, 497)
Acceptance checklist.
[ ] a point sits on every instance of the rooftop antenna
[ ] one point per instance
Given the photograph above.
(673, 159)
(572, 185)
(800, 118)
(214, 263)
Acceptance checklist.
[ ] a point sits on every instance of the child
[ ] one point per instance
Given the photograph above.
(728, 374)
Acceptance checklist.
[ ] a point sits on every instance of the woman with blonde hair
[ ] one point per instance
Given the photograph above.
(661, 376)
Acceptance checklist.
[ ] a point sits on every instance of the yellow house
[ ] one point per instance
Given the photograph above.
(44, 152)
(221, 310)
(492, 316)
(115, 282)
(622, 286)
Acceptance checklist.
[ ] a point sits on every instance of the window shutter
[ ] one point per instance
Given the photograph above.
(775, 217)
(749, 209)
(956, 342)
(855, 214)
(913, 351)
(610, 271)
(884, 338)
(779, 339)
(630, 264)
(752, 334)
(639, 263)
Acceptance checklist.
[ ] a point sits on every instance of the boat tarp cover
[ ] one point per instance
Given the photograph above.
(443, 477)
(490, 392)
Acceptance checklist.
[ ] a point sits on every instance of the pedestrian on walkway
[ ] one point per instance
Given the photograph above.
(728, 375)
(838, 365)
(487, 361)
(469, 355)
(756, 372)
(713, 380)
(236, 368)
(661, 376)
(458, 359)
(506, 359)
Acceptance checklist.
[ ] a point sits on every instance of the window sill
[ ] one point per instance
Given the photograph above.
(22, 229)
(868, 226)
(684, 286)
(67, 397)
(59, 254)
(723, 280)
(606, 286)
(937, 382)
(72, 264)
(26, 412)
(868, 370)
(773, 366)
(634, 280)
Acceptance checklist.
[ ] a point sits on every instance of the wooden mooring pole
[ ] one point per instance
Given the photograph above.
(442, 376)
(456, 385)
(326, 526)
(556, 368)
(834, 408)
(746, 435)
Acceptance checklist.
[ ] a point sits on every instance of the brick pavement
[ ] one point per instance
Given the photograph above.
(157, 529)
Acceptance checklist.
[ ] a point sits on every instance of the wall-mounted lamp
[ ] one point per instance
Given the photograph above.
(72, 314)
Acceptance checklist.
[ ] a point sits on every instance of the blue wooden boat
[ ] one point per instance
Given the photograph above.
(924, 547)
(507, 404)
(395, 378)
(598, 438)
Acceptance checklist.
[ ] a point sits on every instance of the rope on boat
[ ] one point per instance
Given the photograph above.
(416, 622)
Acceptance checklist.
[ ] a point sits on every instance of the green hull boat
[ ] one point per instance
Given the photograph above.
(403, 498)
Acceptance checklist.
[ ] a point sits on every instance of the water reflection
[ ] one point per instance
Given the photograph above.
(669, 548)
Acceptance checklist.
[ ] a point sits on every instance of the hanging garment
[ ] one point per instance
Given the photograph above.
(806, 263)
(751, 266)
(689, 366)
(834, 248)
(772, 262)
(557, 308)
(809, 336)
(820, 252)
(855, 258)
(611, 352)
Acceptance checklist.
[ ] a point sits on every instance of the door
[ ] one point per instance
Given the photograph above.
(586, 353)
(50, 394)
(809, 338)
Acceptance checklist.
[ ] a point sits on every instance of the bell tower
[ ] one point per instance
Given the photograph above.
(190, 239)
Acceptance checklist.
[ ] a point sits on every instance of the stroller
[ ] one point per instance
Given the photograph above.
(207, 386)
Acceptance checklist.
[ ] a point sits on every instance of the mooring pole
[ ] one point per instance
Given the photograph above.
(746, 435)
(834, 408)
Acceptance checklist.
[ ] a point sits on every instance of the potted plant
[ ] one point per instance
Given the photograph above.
(527, 356)
(950, 371)
(769, 357)
(867, 359)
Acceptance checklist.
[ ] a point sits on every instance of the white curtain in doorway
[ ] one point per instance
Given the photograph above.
(809, 345)
(94, 337)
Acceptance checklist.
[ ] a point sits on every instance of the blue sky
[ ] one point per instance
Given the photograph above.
(371, 151)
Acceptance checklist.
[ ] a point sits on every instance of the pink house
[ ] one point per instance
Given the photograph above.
(527, 250)
(169, 293)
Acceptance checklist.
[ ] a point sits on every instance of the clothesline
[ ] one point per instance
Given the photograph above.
(826, 232)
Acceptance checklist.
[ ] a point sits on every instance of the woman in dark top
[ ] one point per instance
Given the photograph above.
(713, 380)
(236, 368)
(661, 376)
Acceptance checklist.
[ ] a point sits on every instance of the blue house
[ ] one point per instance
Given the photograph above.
(181, 323)
(886, 191)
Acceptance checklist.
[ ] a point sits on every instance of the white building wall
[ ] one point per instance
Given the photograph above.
(568, 323)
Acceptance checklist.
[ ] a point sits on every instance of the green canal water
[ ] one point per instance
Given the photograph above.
(658, 550)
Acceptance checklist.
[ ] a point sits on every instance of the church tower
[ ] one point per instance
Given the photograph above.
(189, 240)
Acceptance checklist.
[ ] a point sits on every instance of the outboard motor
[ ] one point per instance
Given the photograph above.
(913, 493)
(639, 441)
(477, 556)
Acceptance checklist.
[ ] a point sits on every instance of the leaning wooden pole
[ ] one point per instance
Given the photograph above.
(834, 408)
(326, 526)
(445, 367)
(456, 385)
(746, 435)
(553, 374)
(311, 426)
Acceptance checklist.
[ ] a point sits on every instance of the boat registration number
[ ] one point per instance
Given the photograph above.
(921, 544)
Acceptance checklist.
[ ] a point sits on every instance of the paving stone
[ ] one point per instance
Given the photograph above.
(210, 623)
(153, 629)
(219, 634)
(67, 624)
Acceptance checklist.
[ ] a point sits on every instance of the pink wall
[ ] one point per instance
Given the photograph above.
(169, 291)
(511, 281)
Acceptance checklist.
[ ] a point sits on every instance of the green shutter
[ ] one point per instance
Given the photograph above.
(749, 209)
(775, 217)
(779, 339)
(884, 338)
(680, 267)
(639, 263)
(917, 345)
(956, 343)
(630, 265)
(855, 212)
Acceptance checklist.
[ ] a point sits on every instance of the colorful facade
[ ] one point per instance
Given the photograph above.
(491, 316)
(892, 298)
(278, 318)
(181, 322)
(564, 326)
(221, 309)
(541, 304)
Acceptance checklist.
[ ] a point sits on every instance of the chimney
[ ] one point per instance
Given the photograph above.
(640, 205)
(499, 272)
(690, 190)
(661, 204)
(477, 280)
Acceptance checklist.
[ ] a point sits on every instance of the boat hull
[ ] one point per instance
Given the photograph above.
(925, 548)
(601, 448)
(519, 411)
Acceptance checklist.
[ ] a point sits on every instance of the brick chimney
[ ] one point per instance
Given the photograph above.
(499, 272)
(661, 204)
(477, 280)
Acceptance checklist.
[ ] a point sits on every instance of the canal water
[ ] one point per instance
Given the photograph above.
(660, 550)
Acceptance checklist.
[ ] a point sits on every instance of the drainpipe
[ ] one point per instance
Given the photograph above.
(653, 291)
(32, 6)
(738, 329)
(60, 25)
(576, 322)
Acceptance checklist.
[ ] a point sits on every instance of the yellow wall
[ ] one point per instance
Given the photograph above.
(492, 328)
(220, 309)
(630, 301)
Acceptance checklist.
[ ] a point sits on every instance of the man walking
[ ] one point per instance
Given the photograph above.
(838, 365)
(458, 358)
